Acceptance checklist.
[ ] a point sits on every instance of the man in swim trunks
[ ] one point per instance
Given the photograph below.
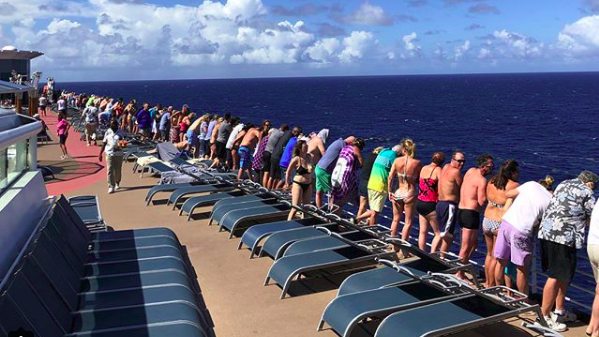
(246, 149)
(450, 182)
(473, 197)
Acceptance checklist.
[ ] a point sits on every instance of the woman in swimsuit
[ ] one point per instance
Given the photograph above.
(428, 196)
(407, 170)
(301, 191)
(183, 126)
(505, 180)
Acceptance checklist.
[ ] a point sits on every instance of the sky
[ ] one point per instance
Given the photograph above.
(100, 40)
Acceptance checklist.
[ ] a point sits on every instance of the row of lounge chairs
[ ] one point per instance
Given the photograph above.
(68, 281)
(401, 297)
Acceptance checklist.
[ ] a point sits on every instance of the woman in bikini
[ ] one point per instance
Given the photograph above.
(428, 196)
(505, 180)
(301, 191)
(407, 170)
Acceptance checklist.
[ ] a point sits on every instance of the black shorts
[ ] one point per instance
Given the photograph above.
(275, 169)
(446, 216)
(469, 219)
(425, 208)
(363, 188)
(266, 161)
(221, 151)
(62, 139)
(558, 261)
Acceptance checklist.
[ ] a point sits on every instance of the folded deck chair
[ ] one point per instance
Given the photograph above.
(176, 197)
(453, 316)
(256, 234)
(344, 313)
(353, 257)
(88, 209)
(383, 276)
(223, 206)
(241, 219)
(158, 167)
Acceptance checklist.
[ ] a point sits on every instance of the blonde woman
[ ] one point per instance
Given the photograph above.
(407, 170)
(301, 163)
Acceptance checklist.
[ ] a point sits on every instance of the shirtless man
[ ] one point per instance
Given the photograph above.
(473, 198)
(450, 182)
(252, 136)
(316, 145)
(191, 137)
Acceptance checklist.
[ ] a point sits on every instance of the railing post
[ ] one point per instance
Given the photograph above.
(32, 153)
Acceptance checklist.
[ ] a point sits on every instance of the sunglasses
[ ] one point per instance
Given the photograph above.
(461, 161)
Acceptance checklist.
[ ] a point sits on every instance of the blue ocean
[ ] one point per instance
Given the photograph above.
(546, 121)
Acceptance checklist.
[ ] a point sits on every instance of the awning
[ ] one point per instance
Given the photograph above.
(12, 88)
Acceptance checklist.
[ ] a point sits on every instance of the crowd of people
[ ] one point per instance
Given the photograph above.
(446, 199)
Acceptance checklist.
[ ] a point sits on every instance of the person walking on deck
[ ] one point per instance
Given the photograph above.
(524, 208)
(63, 127)
(561, 233)
(473, 196)
(344, 179)
(114, 156)
(301, 183)
(43, 102)
(407, 169)
(500, 184)
(326, 164)
(90, 115)
(428, 196)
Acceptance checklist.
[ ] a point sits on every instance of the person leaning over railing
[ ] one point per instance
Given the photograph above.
(562, 233)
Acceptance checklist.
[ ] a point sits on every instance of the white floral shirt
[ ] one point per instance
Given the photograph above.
(566, 216)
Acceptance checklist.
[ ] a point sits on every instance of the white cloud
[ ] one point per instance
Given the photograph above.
(581, 37)
(369, 15)
(461, 50)
(356, 45)
(323, 51)
(411, 49)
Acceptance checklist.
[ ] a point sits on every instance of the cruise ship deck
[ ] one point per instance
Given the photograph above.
(232, 284)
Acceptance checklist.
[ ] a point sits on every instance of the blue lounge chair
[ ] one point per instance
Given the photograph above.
(241, 219)
(344, 313)
(328, 241)
(256, 234)
(88, 209)
(383, 276)
(167, 188)
(176, 197)
(224, 206)
(353, 257)
(452, 316)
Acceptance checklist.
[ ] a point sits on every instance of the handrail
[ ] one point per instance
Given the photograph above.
(534, 271)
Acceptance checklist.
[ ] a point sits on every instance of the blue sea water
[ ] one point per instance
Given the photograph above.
(547, 121)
